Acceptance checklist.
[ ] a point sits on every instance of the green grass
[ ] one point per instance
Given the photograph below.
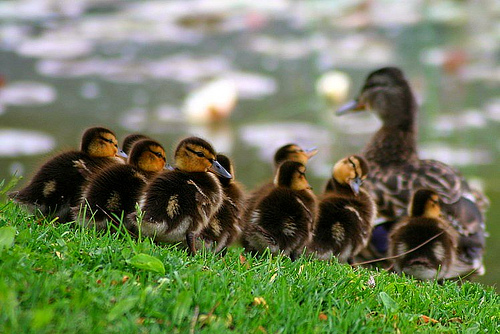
(62, 278)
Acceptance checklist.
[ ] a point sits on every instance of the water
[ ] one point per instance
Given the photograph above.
(131, 66)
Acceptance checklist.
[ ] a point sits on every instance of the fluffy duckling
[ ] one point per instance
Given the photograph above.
(130, 140)
(283, 219)
(178, 204)
(113, 192)
(396, 170)
(56, 186)
(433, 260)
(346, 213)
(225, 226)
(292, 152)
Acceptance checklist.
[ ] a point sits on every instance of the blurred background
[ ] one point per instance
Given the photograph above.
(251, 76)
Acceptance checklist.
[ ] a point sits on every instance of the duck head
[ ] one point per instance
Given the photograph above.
(148, 155)
(100, 143)
(351, 171)
(194, 154)
(292, 174)
(293, 152)
(387, 93)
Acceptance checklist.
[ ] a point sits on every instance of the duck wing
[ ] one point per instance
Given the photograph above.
(392, 188)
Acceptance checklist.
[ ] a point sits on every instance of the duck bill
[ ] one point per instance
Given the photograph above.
(355, 185)
(219, 170)
(311, 152)
(350, 107)
(122, 154)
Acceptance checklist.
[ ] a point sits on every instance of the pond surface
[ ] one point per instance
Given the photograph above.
(138, 66)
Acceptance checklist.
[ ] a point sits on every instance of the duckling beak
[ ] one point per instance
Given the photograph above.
(219, 170)
(349, 107)
(355, 184)
(168, 167)
(311, 152)
(120, 153)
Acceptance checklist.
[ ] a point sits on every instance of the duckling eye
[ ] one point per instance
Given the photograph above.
(158, 154)
(200, 154)
(108, 141)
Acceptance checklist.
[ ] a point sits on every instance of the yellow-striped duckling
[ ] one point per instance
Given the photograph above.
(113, 192)
(283, 219)
(424, 227)
(396, 170)
(292, 152)
(56, 186)
(178, 204)
(225, 226)
(346, 213)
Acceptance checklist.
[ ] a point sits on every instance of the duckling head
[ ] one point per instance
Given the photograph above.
(100, 143)
(293, 152)
(386, 92)
(194, 154)
(130, 140)
(148, 155)
(351, 171)
(425, 203)
(226, 163)
(292, 174)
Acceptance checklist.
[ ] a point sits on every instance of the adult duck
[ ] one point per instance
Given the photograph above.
(396, 170)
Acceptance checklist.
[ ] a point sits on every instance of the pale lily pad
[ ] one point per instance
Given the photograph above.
(15, 142)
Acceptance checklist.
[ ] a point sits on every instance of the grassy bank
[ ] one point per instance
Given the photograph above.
(58, 278)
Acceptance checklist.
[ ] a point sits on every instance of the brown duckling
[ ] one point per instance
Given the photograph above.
(396, 170)
(112, 193)
(283, 219)
(178, 204)
(291, 152)
(56, 186)
(225, 226)
(434, 259)
(130, 140)
(346, 213)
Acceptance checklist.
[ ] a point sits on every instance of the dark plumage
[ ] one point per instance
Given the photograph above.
(346, 213)
(225, 226)
(130, 140)
(112, 193)
(178, 204)
(291, 152)
(437, 258)
(57, 184)
(396, 171)
(283, 219)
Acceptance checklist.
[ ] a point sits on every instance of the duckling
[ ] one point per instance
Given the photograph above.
(396, 170)
(346, 213)
(283, 219)
(291, 152)
(130, 140)
(56, 186)
(178, 204)
(225, 226)
(113, 192)
(434, 259)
